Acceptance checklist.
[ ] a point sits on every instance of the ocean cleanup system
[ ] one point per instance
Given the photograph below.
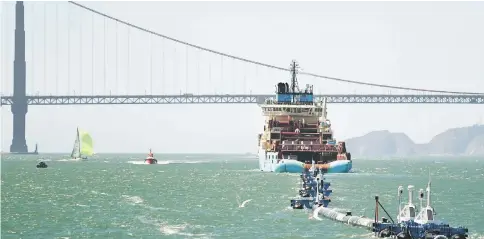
(314, 195)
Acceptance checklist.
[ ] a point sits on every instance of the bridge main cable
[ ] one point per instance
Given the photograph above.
(264, 64)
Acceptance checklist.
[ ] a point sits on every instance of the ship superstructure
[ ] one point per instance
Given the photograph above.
(297, 132)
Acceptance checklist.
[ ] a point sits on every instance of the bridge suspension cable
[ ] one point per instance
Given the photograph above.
(264, 64)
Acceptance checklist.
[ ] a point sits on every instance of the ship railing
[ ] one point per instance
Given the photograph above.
(305, 141)
(293, 137)
(273, 105)
(307, 147)
(287, 123)
(310, 126)
(308, 109)
(288, 112)
(281, 113)
(298, 133)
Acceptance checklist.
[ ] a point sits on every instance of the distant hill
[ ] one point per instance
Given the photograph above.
(457, 141)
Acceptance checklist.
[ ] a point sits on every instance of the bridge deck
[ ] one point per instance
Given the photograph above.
(242, 99)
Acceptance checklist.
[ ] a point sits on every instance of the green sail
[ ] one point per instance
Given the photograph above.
(86, 143)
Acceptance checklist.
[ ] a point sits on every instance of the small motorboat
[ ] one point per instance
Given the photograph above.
(151, 159)
(41, 165)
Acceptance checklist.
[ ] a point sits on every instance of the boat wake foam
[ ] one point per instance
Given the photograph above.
(133, 199)
(316, 215)
(167, 229)
(71, 160)
(143, 162)
(98, 193)
(476, 236)
(246, 170)
(186, 162)
(365, 235)
(140, 202)
(65, 160)
(168, 162)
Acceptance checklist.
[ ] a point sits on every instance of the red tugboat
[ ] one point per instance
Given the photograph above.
(151, 159)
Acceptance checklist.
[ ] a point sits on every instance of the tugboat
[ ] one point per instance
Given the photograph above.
(41, 165)
(151, 159)
(314, 191)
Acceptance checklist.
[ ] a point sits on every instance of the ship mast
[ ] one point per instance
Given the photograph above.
(294, 67)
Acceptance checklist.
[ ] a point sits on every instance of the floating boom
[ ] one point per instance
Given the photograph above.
(345, 217)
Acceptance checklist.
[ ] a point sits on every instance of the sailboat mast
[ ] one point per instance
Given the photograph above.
(79, 140)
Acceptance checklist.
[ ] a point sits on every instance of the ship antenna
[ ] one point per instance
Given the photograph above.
(428, 190)
(294, 80)
(294, 85)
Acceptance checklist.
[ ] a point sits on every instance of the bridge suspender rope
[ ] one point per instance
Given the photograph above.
(264, 64)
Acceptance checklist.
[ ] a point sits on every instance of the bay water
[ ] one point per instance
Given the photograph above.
(198, 196)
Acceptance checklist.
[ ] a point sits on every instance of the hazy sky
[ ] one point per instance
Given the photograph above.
(415, 44)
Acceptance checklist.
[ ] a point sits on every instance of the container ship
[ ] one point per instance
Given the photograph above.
(297, 133)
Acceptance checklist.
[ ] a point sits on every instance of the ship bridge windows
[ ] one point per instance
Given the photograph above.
(327, 136)
(293, 157)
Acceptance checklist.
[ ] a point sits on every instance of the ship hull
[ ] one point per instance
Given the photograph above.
(289, 166)
(80, 159)
(340, 166)
(269, 163)
(151, 161)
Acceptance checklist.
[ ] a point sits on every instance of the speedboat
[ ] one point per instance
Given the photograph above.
(151, 159)
(41, 165)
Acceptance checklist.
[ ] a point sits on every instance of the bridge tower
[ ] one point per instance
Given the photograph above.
(19, 100)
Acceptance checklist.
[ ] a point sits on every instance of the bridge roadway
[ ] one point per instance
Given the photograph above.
(241, 99)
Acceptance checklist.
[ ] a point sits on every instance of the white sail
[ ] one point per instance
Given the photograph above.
(76, 151)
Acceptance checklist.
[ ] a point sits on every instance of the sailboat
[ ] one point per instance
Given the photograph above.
(82, 146)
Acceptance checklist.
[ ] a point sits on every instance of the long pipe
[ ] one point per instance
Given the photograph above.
(342, 217)
(349, 219)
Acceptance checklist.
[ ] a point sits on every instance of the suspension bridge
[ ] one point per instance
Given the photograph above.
(89, 57)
